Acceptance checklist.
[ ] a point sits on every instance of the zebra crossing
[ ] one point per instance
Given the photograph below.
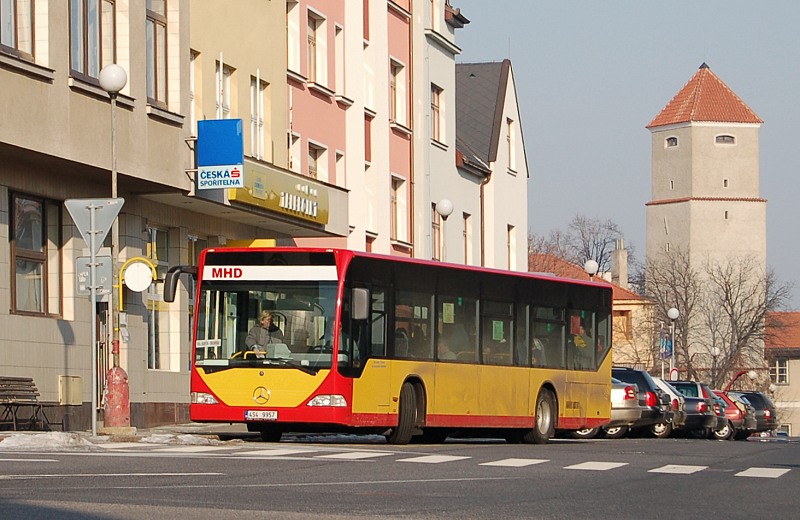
(341, 454)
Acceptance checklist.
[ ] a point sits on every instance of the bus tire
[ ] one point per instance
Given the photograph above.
(406, 416)
(545, 426)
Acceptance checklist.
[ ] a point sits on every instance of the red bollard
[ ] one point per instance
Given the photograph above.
(117, 413)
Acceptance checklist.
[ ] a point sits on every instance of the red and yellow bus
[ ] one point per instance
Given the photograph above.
(401, 347)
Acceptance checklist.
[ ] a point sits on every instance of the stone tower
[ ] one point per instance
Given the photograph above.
(705, 176)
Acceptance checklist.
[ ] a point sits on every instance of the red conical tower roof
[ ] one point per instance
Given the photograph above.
(705, 98)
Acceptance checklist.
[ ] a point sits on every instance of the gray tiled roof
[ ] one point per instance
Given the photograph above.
(480, 91)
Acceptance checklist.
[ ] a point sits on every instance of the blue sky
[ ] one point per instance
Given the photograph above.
(591, 75)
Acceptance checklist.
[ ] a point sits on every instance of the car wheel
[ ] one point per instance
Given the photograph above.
(616, 432)
(661, 430)
(724, 433)
(585, 433)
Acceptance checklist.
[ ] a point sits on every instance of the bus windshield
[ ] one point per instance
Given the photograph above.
(281, 323)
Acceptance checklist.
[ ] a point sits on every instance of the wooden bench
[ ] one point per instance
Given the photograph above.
(21, 393)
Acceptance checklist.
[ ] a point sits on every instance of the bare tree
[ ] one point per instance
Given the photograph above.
(591, 238)
(723, 308)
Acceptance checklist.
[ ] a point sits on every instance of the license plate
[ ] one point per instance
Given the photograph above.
(261, 415)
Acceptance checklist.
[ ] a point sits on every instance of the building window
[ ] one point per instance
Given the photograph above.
(35, 255)
(779, 371)
(726, 214)
(672, 141)
(725, 139)
(16, 28)
(397, 92)
(223, 100)
(436, 234)
(672, 185)
(317, 162)
(317, 49)
(293, 36)
(294, 152)
(339, 72)
(367, 139)
(91, 36)
(511, 247)
(341, 173)
(724, 183)
(195, 246)
(156, 47)
(195, 104)
(511, 145)
(467, 236)
(398, 210)
(157, 314)
(437, 132)
(623, 323)
(434, 11)
(257, 89)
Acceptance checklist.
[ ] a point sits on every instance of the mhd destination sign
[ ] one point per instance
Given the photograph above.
(214, 177)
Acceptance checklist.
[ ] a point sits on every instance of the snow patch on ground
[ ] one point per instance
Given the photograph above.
(45, 441)
(170, 438)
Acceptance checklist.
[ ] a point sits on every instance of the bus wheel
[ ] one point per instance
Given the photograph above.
(406, 416)
(545, 426)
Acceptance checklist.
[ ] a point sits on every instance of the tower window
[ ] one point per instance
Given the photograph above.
(672, 185)
(672, 141)
(724, 183)
(726, 214)
(725, 139)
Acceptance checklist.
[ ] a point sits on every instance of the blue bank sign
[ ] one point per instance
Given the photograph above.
(220, 154)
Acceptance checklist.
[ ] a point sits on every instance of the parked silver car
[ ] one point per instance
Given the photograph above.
(664, 429)
(625, 411)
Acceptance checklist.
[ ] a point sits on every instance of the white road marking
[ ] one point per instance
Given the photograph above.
(190, 449)
(29, 460)
(677, 469)
(103, 475)
(433, 459)
(515, 463)
(597, 466)
(353, 455)
(121, 445)
(762, 472)
(277, 452)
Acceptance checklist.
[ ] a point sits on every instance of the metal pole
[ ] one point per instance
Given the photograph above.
(112, 309)
(672, 344)
(93, 292)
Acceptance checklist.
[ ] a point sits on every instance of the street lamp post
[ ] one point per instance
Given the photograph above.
(714, 356)
(750, 373)
(444, 208)
(113, 78)
(672, 314)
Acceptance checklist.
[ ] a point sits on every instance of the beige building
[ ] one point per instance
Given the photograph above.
(783, 358)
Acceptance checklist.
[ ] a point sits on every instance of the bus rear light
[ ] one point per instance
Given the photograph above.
(328, 400)
(203, 398)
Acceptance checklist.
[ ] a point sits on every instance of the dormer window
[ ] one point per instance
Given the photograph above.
(725, 139)
(672, 141)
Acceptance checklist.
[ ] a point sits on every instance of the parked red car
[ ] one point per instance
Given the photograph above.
(739, 424)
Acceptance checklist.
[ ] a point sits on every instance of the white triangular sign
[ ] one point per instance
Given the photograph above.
(105, 211)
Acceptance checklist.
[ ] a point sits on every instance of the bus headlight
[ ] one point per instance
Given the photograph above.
(334, 400)
(203, 398)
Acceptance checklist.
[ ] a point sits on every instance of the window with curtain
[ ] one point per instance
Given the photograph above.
(16, 28)
(91, 37)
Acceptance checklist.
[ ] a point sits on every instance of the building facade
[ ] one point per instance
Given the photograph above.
(347, 107)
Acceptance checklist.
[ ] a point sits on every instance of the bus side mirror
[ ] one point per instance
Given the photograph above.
(172, 277)
(360, 307)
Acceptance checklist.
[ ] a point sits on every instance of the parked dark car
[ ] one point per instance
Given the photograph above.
(765, 410)
(750, 423)
(663, 430)
(739, 424)
(701, 419)
(657, 405)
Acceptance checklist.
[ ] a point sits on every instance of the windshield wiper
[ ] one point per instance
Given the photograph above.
(288, 363)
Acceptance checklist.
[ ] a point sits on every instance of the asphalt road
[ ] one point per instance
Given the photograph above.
(464, 479)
